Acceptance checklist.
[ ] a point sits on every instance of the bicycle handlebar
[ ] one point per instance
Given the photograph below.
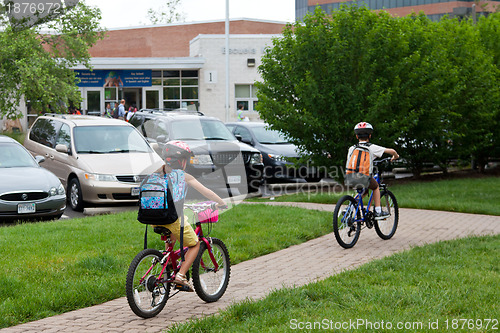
(382, 160)
(201, 206)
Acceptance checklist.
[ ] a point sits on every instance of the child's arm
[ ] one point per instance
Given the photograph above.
(392, 152)
(207, 193)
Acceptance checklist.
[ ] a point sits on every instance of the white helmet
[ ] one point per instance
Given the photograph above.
(363, 128)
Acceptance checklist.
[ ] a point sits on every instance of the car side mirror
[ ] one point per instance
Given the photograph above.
(62, 148)
(161, 138)
(247, 141)
(39, 159)
(239, 138)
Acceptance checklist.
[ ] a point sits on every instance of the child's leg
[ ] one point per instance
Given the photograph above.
(189, 258)
(376, 193)
(190, 239)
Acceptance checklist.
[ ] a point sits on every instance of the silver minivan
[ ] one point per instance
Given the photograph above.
(98, 160)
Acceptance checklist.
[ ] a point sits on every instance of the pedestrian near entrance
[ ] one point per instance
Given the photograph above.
(121, 110)
(363, 133)
(115, 111)
(241, 116)
(131, 110)
(107, 111)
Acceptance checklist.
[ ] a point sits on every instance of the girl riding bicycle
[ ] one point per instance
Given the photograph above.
(177, 155)
(363, 133)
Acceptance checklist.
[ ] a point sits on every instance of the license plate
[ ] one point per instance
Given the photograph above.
(135, 191)
(234, 179)
(26, 208)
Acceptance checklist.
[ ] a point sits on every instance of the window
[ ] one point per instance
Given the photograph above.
(148, 128)
(244, 133)
(156, 78)
(162, 129)
(64, 136)
(13, 155)
(110, 97)
(246, 96)
(109, 139)
(180, 88)
(44, 132)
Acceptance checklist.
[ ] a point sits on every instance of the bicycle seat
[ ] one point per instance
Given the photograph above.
(162, 231)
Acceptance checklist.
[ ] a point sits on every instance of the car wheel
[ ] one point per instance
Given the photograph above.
(75, 199)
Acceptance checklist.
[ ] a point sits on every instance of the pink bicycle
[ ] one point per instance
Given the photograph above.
(151, 273)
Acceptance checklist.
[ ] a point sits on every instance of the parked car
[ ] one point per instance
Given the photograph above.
(220, 161)
(27, 191)
(278, 154)
(98, 160)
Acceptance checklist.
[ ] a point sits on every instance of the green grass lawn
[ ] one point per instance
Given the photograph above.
(54, 267)
(468, 195)
(49, 268)
(436, 285)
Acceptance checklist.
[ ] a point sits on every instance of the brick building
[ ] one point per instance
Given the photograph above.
(434, 9)
(174, 65)
(178, 65)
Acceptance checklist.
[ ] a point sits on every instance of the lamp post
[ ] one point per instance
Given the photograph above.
(227, 60)
(474, 18)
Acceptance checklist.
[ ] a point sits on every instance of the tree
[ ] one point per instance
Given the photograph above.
(166, 13)
(412, 78)
(36, 66)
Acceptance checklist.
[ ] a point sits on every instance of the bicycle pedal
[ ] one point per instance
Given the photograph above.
(181, 287)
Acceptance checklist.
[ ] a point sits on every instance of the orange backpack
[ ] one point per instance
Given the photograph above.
(359, 167)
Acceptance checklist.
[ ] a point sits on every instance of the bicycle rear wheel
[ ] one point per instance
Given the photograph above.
(386, 228)
(345, 226)
(145, 295)
(211, 283)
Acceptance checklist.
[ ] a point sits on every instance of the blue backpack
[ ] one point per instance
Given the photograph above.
(157, 205)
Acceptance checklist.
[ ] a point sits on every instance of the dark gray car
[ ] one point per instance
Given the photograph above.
(278, 154)
(27, 191)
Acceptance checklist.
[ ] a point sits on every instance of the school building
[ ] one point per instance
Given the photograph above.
(178, 65)
(183, 65)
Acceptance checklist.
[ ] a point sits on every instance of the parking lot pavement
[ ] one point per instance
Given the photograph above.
(416, 227)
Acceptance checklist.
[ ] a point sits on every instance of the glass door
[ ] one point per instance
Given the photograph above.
(93, 101)
(152, 97)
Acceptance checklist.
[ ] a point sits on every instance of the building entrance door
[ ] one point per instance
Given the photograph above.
(93, 102)
(152, 97)
(132, 97)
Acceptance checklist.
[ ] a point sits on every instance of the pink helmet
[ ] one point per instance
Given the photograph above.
(177, 150)
(176, 154)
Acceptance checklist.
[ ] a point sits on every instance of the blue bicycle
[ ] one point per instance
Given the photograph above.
(350, 216)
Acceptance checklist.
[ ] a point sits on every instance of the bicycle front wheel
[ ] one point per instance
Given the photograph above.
(211, 275)
(145, 294)
(346, 226)
(386, 228)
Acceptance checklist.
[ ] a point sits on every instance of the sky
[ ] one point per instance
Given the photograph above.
(125, 13)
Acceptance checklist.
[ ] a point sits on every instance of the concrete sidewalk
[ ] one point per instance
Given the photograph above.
(322, 257)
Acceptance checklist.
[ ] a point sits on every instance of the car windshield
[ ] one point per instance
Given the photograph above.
(14, 156)
(201, 129)
(268, 136)
(109, 139)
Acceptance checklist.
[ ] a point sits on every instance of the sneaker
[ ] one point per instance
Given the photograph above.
(182, 283)
(382, 215)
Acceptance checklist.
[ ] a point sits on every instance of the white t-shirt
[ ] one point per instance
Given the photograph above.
(375, 151)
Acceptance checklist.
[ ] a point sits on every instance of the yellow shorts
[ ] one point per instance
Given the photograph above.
(189, 239)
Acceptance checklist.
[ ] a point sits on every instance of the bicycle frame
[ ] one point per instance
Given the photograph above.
(174, 256)
(359, 198)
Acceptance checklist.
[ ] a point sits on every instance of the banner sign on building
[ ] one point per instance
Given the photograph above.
(114, 78)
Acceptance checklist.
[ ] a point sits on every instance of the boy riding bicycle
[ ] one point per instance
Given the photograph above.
(177, 154)
(363, 133)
